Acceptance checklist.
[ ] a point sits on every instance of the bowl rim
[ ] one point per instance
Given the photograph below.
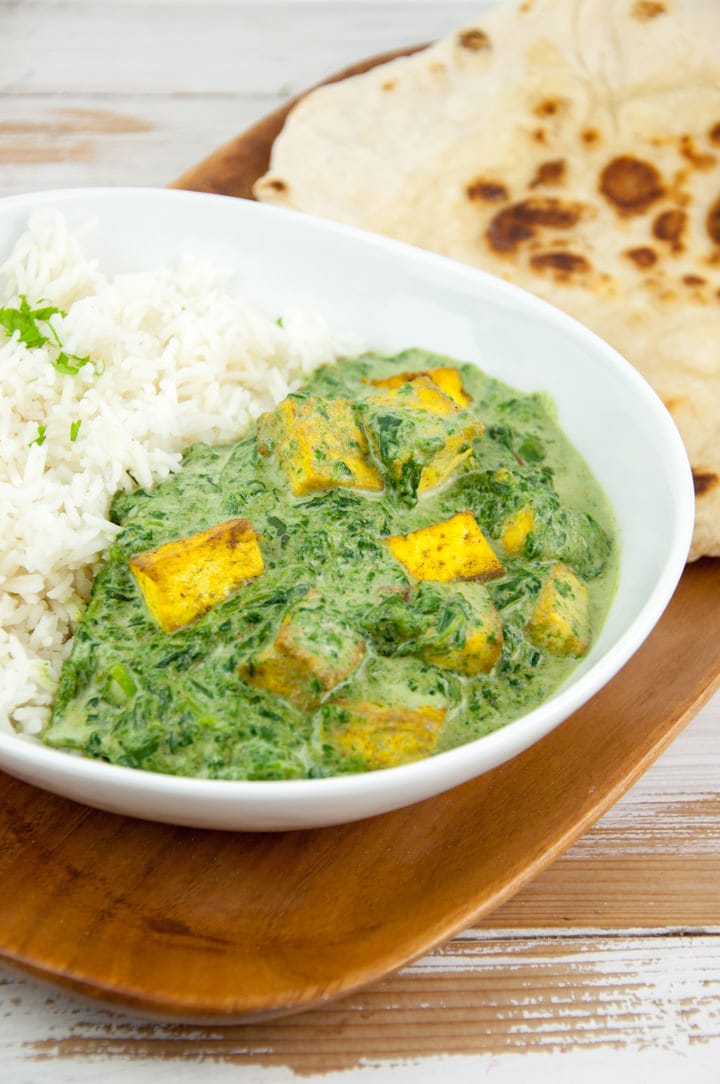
(20, 751)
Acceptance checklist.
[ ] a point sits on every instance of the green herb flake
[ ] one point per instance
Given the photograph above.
(74, 430)
(40, 438)
(70, 364)
(25, 320)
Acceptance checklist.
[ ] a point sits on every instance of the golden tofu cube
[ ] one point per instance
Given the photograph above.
(516, 529)
(560, 621)
(380, 736)
(311, 654)
(455, 549)
(421, 393)
(444, 464)
(446, 378)
(484, 640)
(182, 580)
(430, 435)
(318, 445)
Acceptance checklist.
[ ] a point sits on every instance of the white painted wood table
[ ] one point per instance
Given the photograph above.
(605, 967)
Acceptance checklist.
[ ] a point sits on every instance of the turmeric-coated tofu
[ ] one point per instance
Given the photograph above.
(420, 393)
(445, 463)
(516, 528)
(455, 549)
(560, 621)
(311, 654)
(446, 378)
(483, 639)
(421, 434)
(182, 580)
(318, 444)
(382, 737)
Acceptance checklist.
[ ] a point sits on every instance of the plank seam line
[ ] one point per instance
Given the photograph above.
(15, 93)
(526, 933)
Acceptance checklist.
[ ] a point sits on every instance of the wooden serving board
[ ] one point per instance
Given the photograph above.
(217, 927)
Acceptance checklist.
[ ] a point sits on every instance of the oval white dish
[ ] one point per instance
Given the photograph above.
(393, 297)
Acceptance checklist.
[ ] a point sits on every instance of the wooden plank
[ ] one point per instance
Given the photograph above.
(487, 993)
(60, 141)
(652, 861)
(207, 48)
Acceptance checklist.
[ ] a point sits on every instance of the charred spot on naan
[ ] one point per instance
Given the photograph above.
(713, 222)
(278, 185)
(590, 136)
(548, 107)
(643, 256)
(714, 134)
(677, 189)
(563, 265)
(694, 280)
(704, 481)
(521, 221)
(550, 173)
(674, 402)
(669, 226)
(486, 190)
(699, 160)
(644, 10)
(631, 185)
(474, 39)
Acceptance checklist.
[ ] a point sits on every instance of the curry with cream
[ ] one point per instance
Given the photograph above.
(401, 557)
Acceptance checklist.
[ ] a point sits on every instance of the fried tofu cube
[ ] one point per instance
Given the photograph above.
(445, 463)
(381, 736)
(421, 435)
(318, 444)
(516, 529)
(311, 654)
(483, 641)
(455, 549)
(446, 378)
(182, 580)
(420, 393)
(560, 621)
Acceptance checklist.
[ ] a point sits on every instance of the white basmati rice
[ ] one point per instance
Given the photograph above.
(183, 361)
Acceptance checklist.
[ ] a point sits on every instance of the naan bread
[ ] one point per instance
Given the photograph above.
(571, 146)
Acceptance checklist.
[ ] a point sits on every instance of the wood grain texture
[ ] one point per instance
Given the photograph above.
(649, 870)
(499, 993)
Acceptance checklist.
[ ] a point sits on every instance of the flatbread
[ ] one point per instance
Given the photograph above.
(570, 146)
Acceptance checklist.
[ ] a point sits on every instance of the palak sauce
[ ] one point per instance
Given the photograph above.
(335, 658)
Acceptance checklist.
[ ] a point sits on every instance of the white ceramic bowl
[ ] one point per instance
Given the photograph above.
(393, 296)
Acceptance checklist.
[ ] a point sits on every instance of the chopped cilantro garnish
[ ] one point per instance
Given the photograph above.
(279, 322)
(75, 429)
(70, 364)
(26, 320)
(40, 438)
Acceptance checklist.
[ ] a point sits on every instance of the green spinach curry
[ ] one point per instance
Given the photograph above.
(401, 557)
